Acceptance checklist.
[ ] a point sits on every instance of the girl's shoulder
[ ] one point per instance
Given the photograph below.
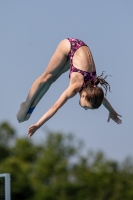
(76, 80)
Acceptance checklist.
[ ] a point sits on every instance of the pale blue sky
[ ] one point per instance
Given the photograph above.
(30, 30)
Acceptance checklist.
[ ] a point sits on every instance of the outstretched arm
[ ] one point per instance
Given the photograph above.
(112, 113)
(68, 93)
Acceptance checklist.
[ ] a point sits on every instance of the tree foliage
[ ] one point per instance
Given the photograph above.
(55, 169)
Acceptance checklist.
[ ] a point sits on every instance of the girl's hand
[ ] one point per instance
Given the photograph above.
(114, 116)
(32, 129)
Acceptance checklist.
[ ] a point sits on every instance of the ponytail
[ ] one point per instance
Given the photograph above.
(103, 83)
(101, 80)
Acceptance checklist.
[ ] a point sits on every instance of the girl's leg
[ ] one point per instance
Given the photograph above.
(44, 81)
(65, 68)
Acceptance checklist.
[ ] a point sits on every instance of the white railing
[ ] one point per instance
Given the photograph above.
(5, 191)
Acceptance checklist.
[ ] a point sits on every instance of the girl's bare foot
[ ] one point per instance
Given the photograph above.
(29, 113)
(27, 117)
(22, 112)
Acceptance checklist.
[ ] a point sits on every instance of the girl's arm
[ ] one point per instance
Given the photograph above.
(112, 113)
(68, 93)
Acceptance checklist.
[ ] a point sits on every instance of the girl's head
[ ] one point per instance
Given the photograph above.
(91, 96)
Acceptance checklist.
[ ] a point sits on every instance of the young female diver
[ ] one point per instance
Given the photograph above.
(75, 55)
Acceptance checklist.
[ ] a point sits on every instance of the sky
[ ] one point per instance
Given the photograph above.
(30, 31)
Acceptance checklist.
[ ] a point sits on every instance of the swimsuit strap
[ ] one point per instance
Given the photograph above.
(75, 45)
(88, 76)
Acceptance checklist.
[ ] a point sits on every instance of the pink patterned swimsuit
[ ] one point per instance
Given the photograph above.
(75, 45)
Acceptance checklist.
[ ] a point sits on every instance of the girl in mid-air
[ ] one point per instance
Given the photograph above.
(74, 55)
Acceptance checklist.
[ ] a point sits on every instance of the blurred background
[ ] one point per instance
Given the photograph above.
(76, 152)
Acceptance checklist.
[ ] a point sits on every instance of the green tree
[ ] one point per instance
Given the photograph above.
(56, 170)
(53, 168)
(7, 135)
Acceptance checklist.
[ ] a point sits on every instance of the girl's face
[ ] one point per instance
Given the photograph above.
(83, 102)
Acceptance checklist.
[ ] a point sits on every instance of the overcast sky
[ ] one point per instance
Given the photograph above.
(30, 31)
